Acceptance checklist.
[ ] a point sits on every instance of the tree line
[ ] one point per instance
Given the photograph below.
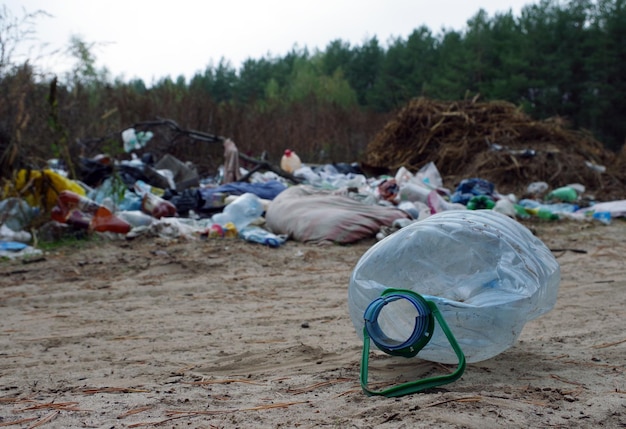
(556, 59)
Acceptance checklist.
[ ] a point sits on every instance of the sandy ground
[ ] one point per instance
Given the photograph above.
(224, 333)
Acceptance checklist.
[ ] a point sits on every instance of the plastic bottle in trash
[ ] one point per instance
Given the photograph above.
(543, 213)
(290, 161)
(480, 271)
(414, 192)
(241, 212)
(566, 194)
(105, 221)
(83, 212)
(256, 234)
(135, 218)
(69, 200)
(74, 209)
(156, 206)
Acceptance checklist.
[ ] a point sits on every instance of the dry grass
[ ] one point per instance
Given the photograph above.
(494, 141)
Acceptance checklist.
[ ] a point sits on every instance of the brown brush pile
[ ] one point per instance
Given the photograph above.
(495, 141)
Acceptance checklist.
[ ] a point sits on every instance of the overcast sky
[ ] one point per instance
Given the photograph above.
(152, 39)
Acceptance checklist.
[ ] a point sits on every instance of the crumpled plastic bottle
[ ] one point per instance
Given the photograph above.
(487, 274)
(567, 194)
(256, 234)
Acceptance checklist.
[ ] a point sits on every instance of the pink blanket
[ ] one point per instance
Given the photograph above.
(307, 214)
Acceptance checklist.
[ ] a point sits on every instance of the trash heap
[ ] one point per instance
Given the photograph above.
(438, 157)
(498, 142)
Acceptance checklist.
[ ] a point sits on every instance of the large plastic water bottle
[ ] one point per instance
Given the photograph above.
(241, 212)
(485, 273)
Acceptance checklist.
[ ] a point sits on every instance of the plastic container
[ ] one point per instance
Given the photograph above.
(290, 162)
(481, 202)
(241, 212)
(414, 192)
(74, 209)
(547, 211)
(567, 194)
(105, 221)
(509, 208)
(135, 218)
(84, 213)
(256, 234)
(156, 206)
(485, 273)
(69, 200)
(543, 213)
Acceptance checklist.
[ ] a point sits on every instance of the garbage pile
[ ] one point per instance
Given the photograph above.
(498, 142)
(332, 203)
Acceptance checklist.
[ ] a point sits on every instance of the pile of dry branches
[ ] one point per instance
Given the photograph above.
(495, 141)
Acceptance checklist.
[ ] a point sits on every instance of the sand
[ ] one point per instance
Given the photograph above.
(227, 334)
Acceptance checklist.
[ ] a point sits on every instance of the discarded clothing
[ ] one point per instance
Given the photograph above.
(231, 162)
(469, 188)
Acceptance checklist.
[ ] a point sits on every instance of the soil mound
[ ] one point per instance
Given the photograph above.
(495, 141)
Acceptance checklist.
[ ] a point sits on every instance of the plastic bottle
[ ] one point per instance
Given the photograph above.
(105, 221)
(156, 206)
(481, 202)
(69, 200)
(84, 213)
(543, 213)
(604, 217)
(290, 162)
(256, 234)
(414, 192)
(508, 207)
(135, 218)
(486, 274)
(438, 204)
(566, 194)
(241, 212)
(547, 211)
(74, 209)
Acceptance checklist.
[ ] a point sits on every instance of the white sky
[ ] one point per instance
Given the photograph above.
(152, 39)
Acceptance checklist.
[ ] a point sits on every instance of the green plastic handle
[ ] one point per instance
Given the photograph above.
(417, 385)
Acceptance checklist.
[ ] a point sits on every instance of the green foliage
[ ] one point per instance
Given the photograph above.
(306, 81)
(71, 241)
(406, 72)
